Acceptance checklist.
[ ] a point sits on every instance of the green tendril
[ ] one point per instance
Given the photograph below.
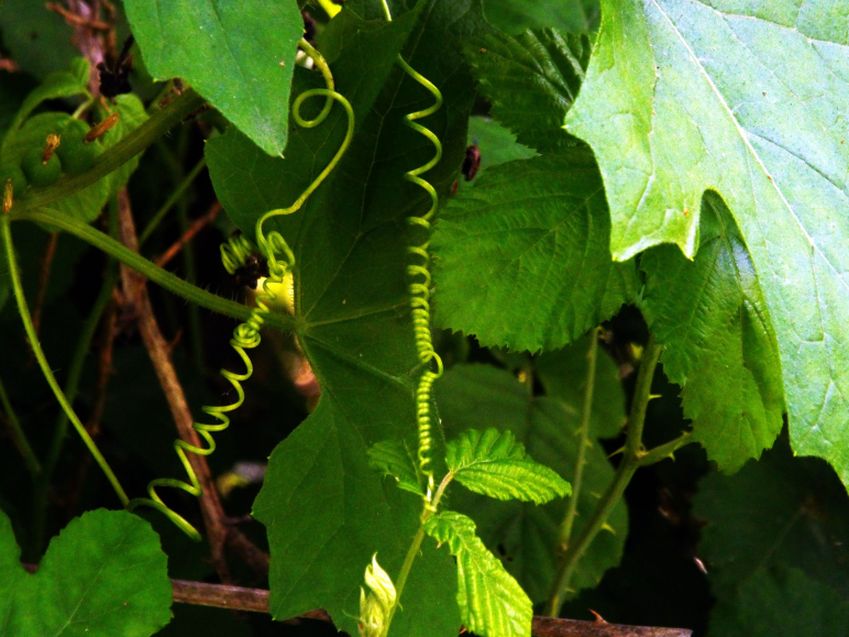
(246, 335)
(420, 283)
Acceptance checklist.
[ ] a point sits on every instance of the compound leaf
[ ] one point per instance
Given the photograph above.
(521, 259)
(239, 56)
(495, 464)
(683, 96)
(491, 602)
(104, 574)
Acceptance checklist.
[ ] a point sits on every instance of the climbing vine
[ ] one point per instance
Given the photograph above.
(508, 327)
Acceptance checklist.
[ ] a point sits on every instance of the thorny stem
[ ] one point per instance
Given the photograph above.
(627, 467)
(583, 443)
(26, 319)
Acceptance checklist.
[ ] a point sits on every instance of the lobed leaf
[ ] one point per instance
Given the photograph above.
(495, 464)
(238, 56)
(521, 259)
(684, 96)
(491, 602)
(104, 574)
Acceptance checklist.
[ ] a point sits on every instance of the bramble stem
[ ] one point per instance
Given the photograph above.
(611, 497)
(583, 443)
(26, 319)
(149, 270)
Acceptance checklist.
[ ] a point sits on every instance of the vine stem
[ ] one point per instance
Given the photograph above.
(29, 329)
(583, 445)
(631, 461)
(19, 438)
(148, 269)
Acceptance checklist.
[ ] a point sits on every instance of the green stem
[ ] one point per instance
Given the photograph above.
(173, 198)
(666, 450)
(584, 443)
(415, 545)
(26, 319)
(19, 439)
(611, 497)
(170, 282)
(114, 157)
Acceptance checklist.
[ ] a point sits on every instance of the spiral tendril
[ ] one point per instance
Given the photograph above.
(420, 282)
(246, 335)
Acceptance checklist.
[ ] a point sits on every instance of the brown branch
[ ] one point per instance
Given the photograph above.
(215, 520)
(197, 225)
(256, 600)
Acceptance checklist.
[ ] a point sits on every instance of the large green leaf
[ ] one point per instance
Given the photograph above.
(475, 395)
(522, 258)
(531, 81)
(352, 314)
(105, 574)
(239, 56)
(492, 603)
(514, 16)
(745, 99)
(38, 39)
(495, 464)
(711, 316)
(775, 529)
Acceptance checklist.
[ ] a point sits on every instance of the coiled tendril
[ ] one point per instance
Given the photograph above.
(419, 288)
(246, 335)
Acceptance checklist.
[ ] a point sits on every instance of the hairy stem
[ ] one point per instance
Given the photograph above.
(149, 270)
(583, 443)
(611, 497)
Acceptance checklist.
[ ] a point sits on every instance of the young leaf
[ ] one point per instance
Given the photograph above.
(496, 143)
(521, 259)
(495, 464)
(531, 80)
(491, 602)
(681, 97)
(527, 533)
(238, 56)
(395, 459)
(105, 574)
(723, 353)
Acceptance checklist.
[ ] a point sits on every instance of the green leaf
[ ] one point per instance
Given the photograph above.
(682, 97)
(38, 39)
(495, 464)
(521, 259)
(104, 574)
(531, 80)
(514, 16)
(491, 602)
(238, 56)
(352, 316)
(711, 317)
(395, 458)
(773, 528)
(760, 608)
(496, 143)
(528, 534)
(59, 84)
